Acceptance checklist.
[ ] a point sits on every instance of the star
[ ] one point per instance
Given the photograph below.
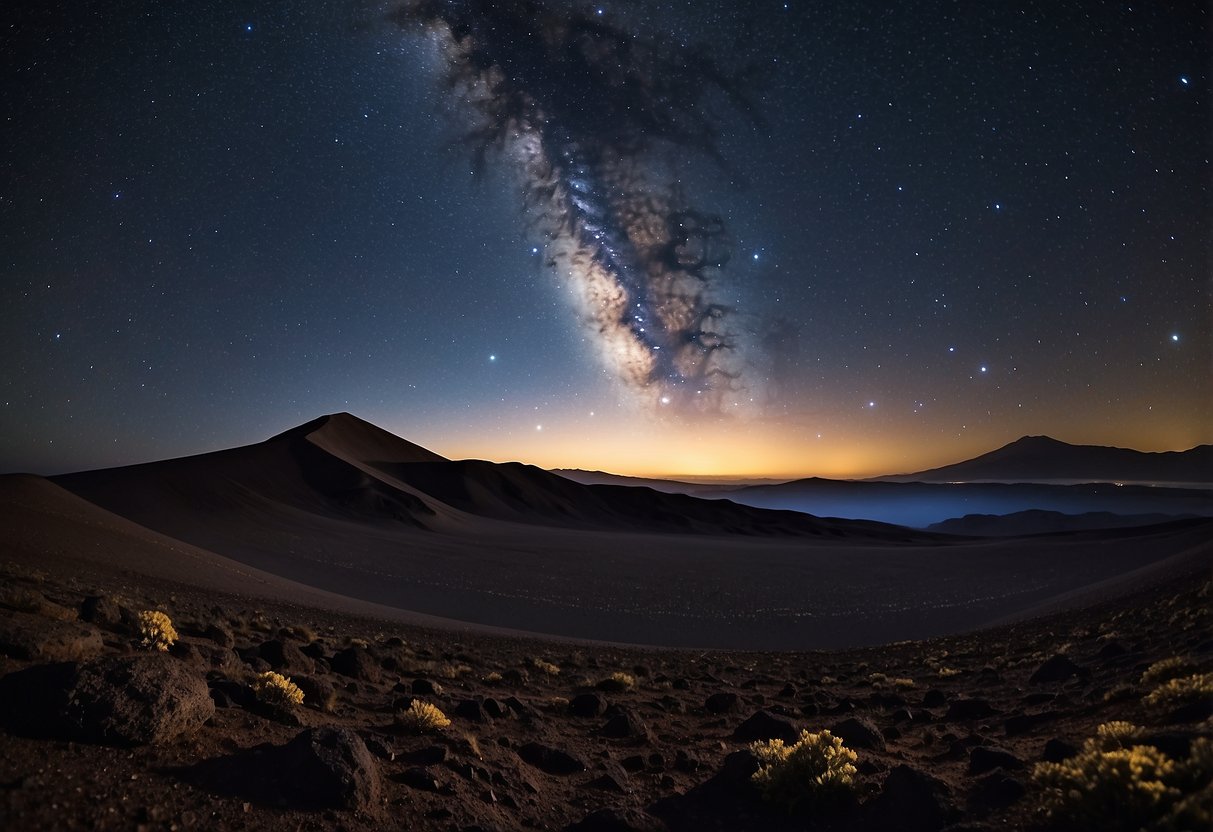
(1175, 337)
(1183, 79)
(492, 358)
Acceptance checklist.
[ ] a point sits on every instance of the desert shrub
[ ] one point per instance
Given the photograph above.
(492, 678)
(277, 689)
(880, 680)
(422, 717)
(302, 632)
(1165, 670)
(618, 682)
(1179, 692)
(157, 630)
(1114, 783)
(449, 670)
(545, 667)
(815, 770)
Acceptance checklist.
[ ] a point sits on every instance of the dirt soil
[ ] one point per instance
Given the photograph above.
(544, 734)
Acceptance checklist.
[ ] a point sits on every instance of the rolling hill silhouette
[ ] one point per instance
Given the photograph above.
(340, 512)
(340, 467)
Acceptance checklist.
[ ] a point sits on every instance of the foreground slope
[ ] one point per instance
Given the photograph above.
(545, 735)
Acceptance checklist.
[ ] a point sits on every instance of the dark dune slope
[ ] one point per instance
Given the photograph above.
(341, 468)
(287, 471)
(525, 494)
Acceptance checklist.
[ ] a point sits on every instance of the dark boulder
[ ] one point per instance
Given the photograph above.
(763, 726)
(857, 732)
(322, 768)
(624, 723)
(1057, 669)
(285, 655)
(357, 663)
(984, 758)
(550, 760)
(133, 700)
(34, 638)
(966, 709)
(617, 820)
(911, 801)
(334, 768)
(587, 705)
(722, 703)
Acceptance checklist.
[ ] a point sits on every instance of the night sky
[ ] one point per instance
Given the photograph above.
(950, 224)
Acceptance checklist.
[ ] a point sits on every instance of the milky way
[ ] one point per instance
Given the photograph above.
(592, 115)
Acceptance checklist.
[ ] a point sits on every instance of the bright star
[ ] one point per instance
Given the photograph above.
(755, 255)
(248, 27)
(1175, 337)
(1183, 79)
(492, 358)
(665, 399)
(871, 404)
(983, 369)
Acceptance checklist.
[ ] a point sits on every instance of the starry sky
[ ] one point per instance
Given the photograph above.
(950, 224)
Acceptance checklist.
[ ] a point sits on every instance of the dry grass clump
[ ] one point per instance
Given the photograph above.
(1180, 692)
(451, 671)
(157, 630)
(302, 632)
(880, 680)
(277, 689)
(545, 667)
(492, 678)
(422, 717)
(1165, 670)
(1115, 783)
(618, 682)
(814, 771)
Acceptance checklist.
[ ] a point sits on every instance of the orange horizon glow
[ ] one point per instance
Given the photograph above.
(755, 451)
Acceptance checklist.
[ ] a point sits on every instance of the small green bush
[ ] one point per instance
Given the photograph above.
(1116, 784)
(814, 771)
(157, 630)
(277, 689)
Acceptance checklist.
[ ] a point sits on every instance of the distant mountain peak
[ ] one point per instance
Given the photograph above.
(1043, 458)
(1037, 440)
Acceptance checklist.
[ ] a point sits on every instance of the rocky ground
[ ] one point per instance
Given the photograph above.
(101, 732)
